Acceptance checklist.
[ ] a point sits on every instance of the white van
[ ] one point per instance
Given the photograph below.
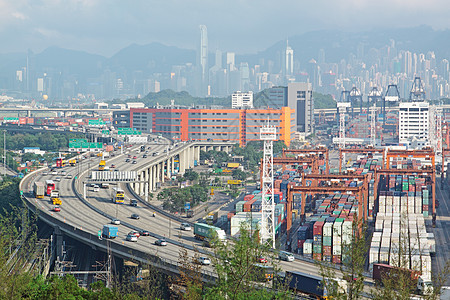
(283, 255)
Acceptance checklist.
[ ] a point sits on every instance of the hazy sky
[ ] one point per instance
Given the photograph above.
(243, 26)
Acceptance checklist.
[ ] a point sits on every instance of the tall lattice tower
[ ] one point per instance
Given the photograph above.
(373, 125)
(439, 131)
(268, 134)
(432, 127)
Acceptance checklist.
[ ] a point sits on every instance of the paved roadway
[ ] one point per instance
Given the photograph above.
(441, 232)
(78, 214)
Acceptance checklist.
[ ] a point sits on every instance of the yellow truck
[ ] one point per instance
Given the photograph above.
(54, 197)
(72, 162)
(101, 165)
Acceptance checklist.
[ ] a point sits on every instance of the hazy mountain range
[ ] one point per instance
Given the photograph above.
(158, 58)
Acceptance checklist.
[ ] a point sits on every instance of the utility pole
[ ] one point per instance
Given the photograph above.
(4, 152)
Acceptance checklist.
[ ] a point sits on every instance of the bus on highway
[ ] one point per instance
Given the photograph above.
(49, 187)
(118, 196)
(60, 162)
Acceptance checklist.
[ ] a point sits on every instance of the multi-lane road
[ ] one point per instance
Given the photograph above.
(83, 218)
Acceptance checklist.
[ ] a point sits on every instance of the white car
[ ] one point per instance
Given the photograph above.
(132, 238)
(185, 226)
(58, 179)
(115, 221)
(54, 173)
(96, 188)
(283, 255)
(204, 260)
(45, 173)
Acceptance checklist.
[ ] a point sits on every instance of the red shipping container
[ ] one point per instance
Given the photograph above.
(425, 207)
(248, 205)
(318, 227)
(317, 256)
(327, 250)
(248, 197)
(109, 148)
(300, 243)
(230, 215)
(336, 259)
(22, 121)
(30, 120)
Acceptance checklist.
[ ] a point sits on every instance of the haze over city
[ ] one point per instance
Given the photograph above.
(104, 27)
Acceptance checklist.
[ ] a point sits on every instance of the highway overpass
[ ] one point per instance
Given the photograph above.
(82, 216)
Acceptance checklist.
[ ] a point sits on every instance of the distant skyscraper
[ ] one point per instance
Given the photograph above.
(300, 98)
(289, 67)
(203, 60)
(230, 61)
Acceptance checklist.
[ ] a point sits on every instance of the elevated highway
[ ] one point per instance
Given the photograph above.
(83, 215)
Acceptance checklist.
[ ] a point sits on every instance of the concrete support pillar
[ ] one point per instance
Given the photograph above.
(150, 179)
(147, 184)
(154, 177)
(172, 170)
(196, 153)
(182, 162)
(158, 172)
(167, 162)
(141, 184)
(162, 172)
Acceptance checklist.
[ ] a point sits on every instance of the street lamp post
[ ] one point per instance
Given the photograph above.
(4, 152)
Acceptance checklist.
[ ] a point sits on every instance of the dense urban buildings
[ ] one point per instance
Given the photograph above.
(237, 125)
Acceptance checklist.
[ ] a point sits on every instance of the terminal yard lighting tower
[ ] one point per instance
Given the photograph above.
(268, 134)
(373, 124)
(439, 119)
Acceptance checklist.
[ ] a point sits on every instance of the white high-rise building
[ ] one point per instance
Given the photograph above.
(289, 68)
(413, 122)
(242, 100)
(203, 60)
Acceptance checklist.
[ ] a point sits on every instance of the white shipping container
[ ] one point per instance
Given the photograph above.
(375, 244)
(379, 225)
(337, 249)
(426, 265)
(328, 229)
(384, 255)
(416, 263)
(373, 255)
(307, 247)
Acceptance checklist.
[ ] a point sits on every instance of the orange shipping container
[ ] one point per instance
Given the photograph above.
(23, 121)
(248, 205)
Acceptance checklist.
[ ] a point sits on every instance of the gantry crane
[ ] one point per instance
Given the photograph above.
(427, 153)
(392, 96)
(367, 150)
(417, 92)
(319, 151)
(355, 96)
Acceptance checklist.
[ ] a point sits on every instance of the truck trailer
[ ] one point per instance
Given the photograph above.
(205, 232)
(110, 231)
(39, 190)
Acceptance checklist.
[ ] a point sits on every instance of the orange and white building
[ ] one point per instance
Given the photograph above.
(235, 125)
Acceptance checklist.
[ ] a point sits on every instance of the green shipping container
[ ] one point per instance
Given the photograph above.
(327, 240)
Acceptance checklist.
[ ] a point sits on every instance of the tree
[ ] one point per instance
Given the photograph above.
(352, 268)
(190, 276)
(190, 175)
(238, 269)
(238, 174)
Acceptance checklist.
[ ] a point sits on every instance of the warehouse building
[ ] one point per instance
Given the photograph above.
(235, 125)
